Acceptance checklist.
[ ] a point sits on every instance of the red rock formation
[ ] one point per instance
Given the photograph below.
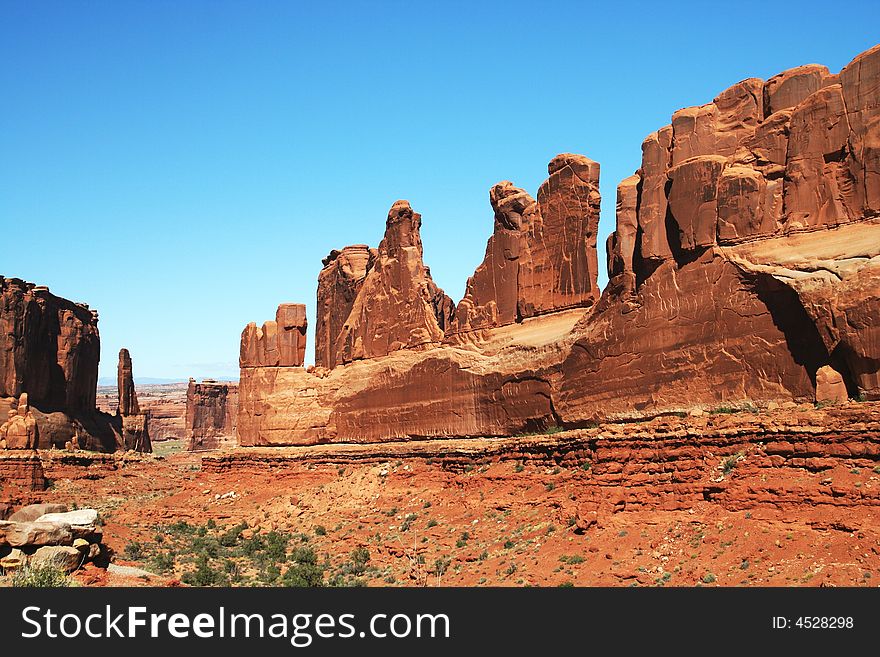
(830, 386)
(20, 471)
(492, 295)
(281, 343)
(541, 257)
(398, 306)
(50, 351)
(50, 348)
(20, 430)
(127, 403)
(745, 268)
(558, 262)
(211, 414)
(338, 285)
(135, 426)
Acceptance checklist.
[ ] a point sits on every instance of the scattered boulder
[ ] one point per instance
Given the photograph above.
(33, 512)
(65, 557)
(22, 534)
(15, 559)
(830, 386)
(20, 430)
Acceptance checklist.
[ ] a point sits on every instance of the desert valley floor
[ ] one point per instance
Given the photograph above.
(472, 512)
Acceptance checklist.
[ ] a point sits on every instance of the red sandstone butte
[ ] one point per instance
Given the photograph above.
(50, 348)
(398, 306)
(211, 414)
(49, 356)
(745, 268)
(338, 285)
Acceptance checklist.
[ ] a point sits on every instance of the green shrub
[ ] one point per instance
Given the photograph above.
(203, 575)
(230, 537)
(359, 560)
(163, 562)
(134, 551)
(320, 530)
(40, 577)
(304, 570)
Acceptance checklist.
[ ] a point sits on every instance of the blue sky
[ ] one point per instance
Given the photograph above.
(184, 166)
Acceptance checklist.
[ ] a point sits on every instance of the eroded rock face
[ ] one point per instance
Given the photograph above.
(761, 162)
(127, 397)
(279, 343)
(398, 306)
(211, 414)
(50, 348)
(541, 257)
(338, 285)
(20, 431)
(745, 268)
(492, 295)
(558, 263)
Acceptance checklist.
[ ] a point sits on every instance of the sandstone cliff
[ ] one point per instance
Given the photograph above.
(50, 348)
(211, 414)
(49, 372)
(744, 269)
(398, 306)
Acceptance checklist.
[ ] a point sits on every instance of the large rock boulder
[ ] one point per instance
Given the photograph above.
(63, 557)
(20, 430)
(32, 534)
(32, 512)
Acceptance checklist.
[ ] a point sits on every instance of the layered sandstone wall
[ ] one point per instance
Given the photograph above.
(541, 257)
(211, 414)
(745, 268)
(49, 376)
(50, 348)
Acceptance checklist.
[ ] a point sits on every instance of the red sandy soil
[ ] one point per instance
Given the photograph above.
(516, 514)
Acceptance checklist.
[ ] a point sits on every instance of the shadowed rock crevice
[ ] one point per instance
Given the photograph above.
(801, 336)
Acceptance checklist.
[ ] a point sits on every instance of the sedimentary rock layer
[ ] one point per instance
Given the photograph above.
(211, 414)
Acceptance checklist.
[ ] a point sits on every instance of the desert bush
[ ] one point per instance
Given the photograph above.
(40, 577)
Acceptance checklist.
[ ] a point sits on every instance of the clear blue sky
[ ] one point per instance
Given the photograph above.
(184, 166)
